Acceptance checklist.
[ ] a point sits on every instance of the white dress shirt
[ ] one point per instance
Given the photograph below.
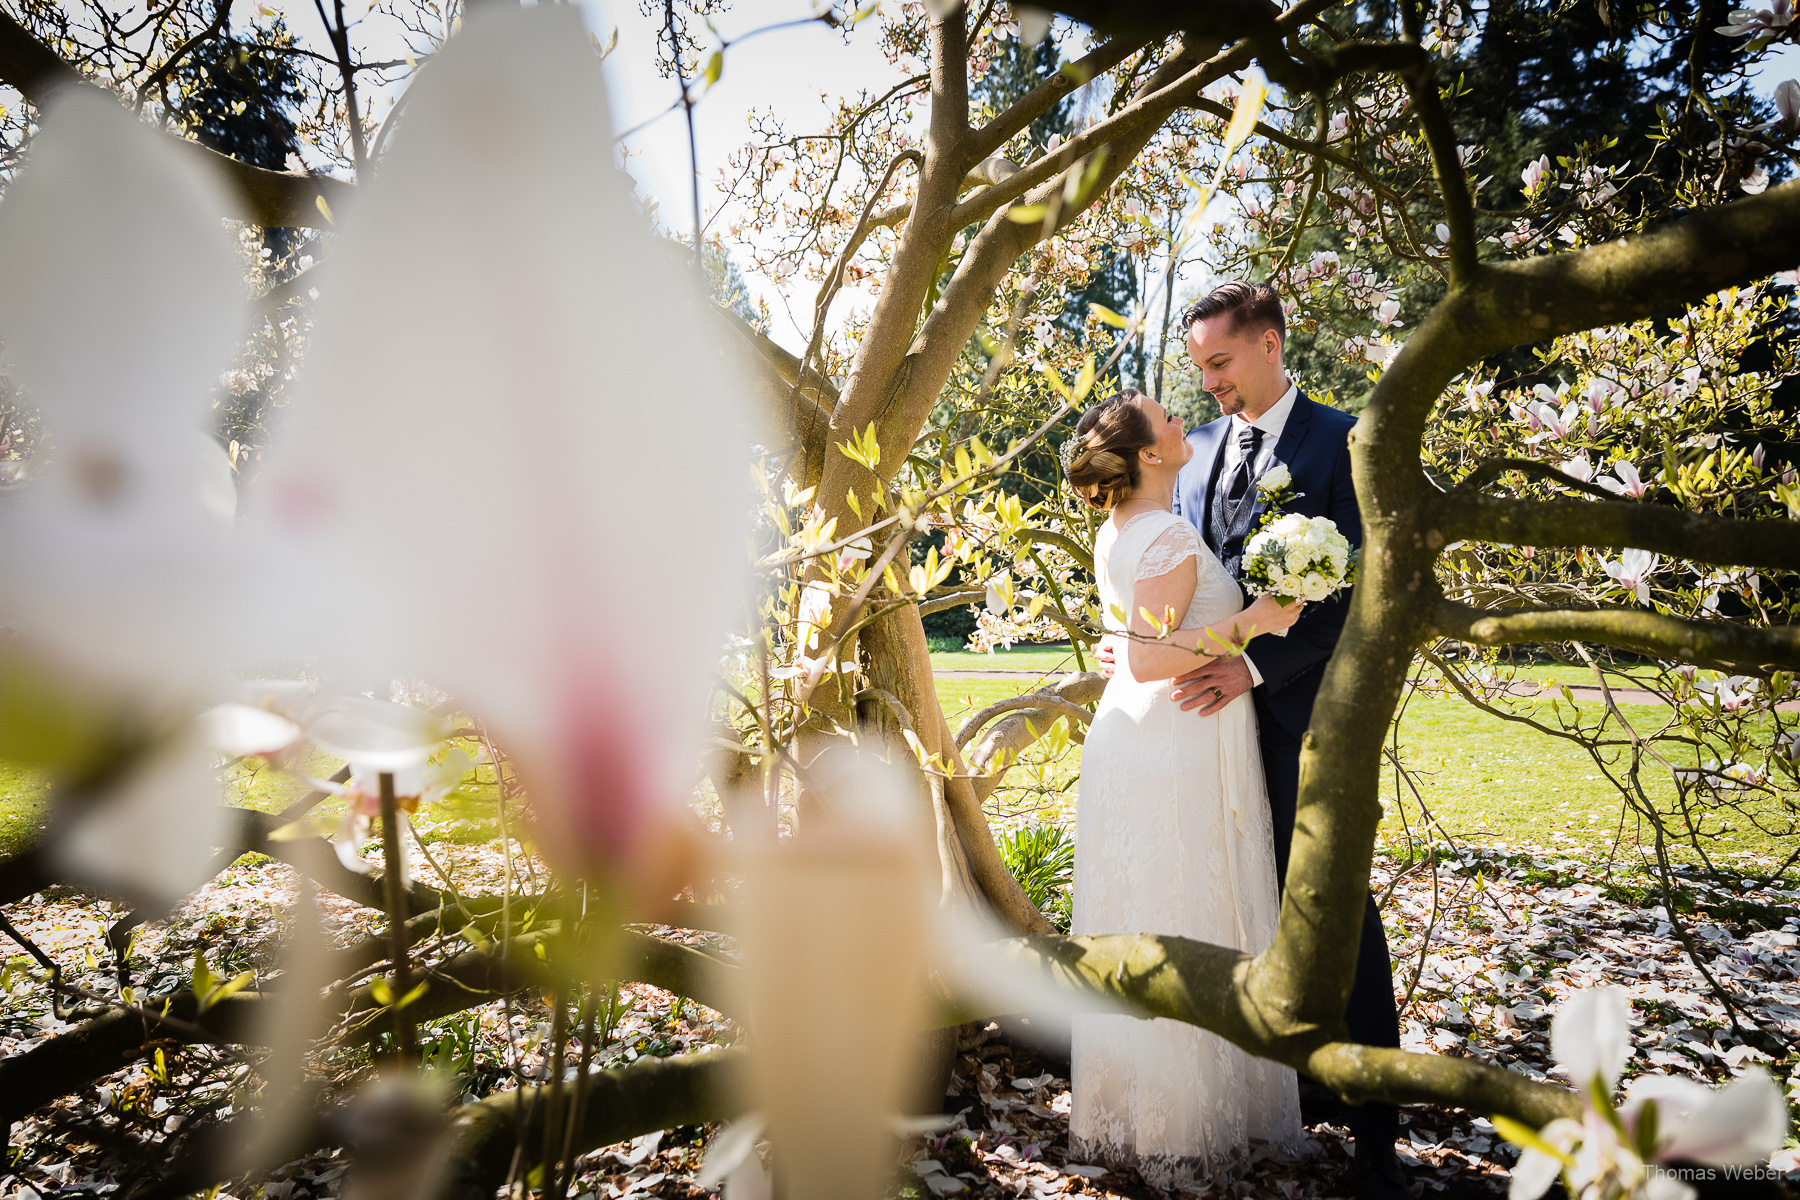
(1272, 422)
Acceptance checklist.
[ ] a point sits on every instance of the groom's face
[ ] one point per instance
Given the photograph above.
(1240, 367)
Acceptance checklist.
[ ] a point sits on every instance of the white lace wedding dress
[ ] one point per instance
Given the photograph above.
(1172, 836)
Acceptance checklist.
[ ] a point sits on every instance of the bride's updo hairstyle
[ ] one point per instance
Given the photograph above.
(1101, 460)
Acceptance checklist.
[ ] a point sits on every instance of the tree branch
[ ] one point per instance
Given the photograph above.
(1724, 644)
(1151, 108)
(1635, 277)
(650, 1094)
(993, 136)
(1045, 703)
(1010, 737)
(1214, 988)
(1440, 139)
(803, 413)
(1771, 544)
(263, 197)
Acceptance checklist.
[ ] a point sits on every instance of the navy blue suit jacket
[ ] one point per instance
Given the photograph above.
(1315, 447)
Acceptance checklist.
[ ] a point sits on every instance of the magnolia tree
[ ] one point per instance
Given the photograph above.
(903, 471)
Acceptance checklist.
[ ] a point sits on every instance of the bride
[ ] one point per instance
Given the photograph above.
(1173, 830)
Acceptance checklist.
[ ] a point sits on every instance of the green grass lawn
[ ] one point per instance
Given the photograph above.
(24, 808)
(1482, 779)
(947, 654)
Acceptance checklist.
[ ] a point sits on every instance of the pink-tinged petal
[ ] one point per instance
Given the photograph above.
(1741, 1123)
(153, 836)
(122, 302)
(1590, 1035)
(237, 730)
(600, 497)
(375, 735)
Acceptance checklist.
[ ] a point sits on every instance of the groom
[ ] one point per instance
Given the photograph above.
(1235, 337)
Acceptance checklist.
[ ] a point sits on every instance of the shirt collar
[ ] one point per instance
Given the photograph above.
(1275, 419)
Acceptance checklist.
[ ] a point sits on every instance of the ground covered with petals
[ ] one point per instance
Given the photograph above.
(1487, 943)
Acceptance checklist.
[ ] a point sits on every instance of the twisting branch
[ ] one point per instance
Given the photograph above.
(1040, 704)
(1446, 163)
(1725, 644)
(990, 138)
(1201, 984)
(263, 197)
(168, 68)
(1772, 544)
(1009, 737)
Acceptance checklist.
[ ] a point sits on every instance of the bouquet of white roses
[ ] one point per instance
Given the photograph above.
(1293, 557)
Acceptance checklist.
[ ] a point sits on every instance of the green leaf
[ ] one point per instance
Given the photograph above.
(1076, 73)
(230, 987)
(1520, 1134)
(324, 210)
(1249, 107)
(1027, 214)
(381, 991)
(203, 979)
(1084, 382)
(1109, 316)
(417, 991)
(863, 13)
(715, 67)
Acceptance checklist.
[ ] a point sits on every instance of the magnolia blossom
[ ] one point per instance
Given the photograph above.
(1628, 483)
(587, 645)
(1757, 20)
(999, 597)
(1578, 468)
(1536, 174)
(1787, 102)
(1632, 572)
(1388, 313)
(1545, 419)
(1610, 1153)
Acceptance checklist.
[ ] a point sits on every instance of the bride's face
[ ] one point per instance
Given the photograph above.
(1171, 449)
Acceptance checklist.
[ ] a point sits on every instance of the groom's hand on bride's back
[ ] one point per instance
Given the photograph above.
(1211, 687)
(1106, 656)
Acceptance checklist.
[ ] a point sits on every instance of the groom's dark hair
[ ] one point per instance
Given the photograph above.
(1256, 305)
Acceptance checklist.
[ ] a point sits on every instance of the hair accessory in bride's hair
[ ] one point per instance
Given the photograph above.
(1068, 450)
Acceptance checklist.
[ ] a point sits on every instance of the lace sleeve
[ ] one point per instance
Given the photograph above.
(1170, 548)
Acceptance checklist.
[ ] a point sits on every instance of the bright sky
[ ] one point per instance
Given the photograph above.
(799, 72)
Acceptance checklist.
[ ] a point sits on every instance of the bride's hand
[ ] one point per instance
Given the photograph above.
(1269, 615)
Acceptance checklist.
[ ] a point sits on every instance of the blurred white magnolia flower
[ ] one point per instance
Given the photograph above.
(538, 366)
(117, 554)
(542, 365)
(1612, 1152)
(1632, 572)
(1388, 313)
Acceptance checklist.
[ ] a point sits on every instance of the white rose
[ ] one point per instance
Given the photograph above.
(1315, 586)
(1274, 478)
